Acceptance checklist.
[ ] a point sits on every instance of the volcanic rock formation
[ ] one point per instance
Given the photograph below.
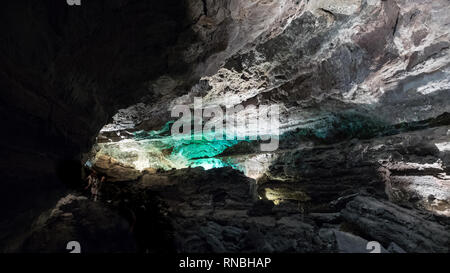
(364, 94)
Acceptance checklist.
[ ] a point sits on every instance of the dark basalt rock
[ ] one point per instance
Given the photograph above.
(95, 227)
(193, 210)
(388, 223)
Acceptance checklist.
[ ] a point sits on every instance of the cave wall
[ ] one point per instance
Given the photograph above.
(384, 59)
(67, 69)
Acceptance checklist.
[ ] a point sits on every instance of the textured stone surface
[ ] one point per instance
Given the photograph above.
(69, 69)
(193, 210)
(387, 222)
(75, 218)
(114, 170)
(383, 58)
(406, 168)
(214, 211)
(381, 67)
(349, 243)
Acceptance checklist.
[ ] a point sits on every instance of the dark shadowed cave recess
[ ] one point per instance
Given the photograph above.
(364, 146)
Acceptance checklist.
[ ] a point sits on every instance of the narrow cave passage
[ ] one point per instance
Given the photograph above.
(213, 126)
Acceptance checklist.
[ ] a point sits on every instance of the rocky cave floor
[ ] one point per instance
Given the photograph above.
(324, 198)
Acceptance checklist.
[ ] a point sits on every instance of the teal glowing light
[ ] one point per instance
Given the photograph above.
(209, 163)
(192, 152)
(203, 148)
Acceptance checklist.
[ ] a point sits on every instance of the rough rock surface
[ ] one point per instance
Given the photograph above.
(407, 168)
(387, 223)
(214, 211)
(68, 72)
(192, 211)
(349, 243)
(114, 170)
(217, 211)
(95, 227)
(382, 58)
